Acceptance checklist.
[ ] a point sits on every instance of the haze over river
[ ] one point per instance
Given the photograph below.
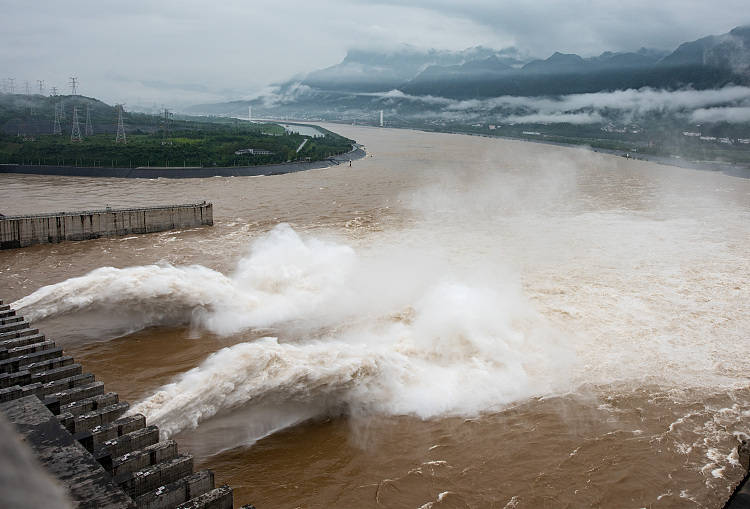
(453, 322)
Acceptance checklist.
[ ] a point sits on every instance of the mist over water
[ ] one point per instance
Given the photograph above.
(446, 280)
(401, 328)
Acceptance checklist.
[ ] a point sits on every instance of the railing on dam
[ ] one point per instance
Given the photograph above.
(27, 230)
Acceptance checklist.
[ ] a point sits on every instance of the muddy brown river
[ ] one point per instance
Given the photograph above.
(454, 321)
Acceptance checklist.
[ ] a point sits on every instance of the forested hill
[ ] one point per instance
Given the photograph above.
(27, 136)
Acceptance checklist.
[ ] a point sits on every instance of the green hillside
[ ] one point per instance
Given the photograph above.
(26, 126)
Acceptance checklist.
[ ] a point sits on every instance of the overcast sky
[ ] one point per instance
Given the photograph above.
(181, 52)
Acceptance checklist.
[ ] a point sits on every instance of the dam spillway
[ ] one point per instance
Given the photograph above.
(82, 437)
(27, 230)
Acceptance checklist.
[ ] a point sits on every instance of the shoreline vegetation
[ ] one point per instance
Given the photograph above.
(356, 152)
(81, 132)
(734, 168)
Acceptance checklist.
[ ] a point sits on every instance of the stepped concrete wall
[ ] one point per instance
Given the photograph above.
(83, 438)
(23, 231)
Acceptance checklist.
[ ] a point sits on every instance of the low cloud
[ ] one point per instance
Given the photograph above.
(731, 104)
(286, 94)
(399, 95)
(556, 118)
(733, 115)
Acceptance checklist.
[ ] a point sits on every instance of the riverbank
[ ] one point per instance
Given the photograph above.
(732, 169)
(728, 168)
(179, 172)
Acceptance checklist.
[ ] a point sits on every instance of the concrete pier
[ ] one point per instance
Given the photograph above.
(23, 231)
(78, 434)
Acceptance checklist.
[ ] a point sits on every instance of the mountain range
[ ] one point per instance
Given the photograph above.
(707, 63)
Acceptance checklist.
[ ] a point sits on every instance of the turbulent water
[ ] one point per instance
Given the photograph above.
(453, 322)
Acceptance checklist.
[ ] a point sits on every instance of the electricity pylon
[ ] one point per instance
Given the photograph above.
(89, 129)
(120, 127)
(56, 127)
(75, 132)
(167, 116)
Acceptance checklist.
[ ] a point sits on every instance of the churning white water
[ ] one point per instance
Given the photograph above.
(381, 332)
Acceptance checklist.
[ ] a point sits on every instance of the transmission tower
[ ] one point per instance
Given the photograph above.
(56, 127)
(53, 92)
(75, 132)
(73, 85)
(120, 127)
(41, 86)
(167, 115)
(12, 85)
(89, 129)
(27, 87)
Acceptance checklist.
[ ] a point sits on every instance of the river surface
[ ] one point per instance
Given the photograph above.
(453, 321)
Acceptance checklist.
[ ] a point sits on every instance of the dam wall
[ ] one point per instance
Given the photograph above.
(23, 231)
(82, 438)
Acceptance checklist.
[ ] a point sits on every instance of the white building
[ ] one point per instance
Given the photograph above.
(253, 152)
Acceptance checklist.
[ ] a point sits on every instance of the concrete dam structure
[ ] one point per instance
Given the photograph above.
(23, 231)
(79, 435)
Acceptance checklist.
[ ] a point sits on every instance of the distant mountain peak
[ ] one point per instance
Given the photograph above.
(565, 58)
(364, 75)
(741, 31)
(726, 51)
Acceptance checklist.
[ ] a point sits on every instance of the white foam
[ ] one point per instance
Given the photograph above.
(282, 278)
(397, 330)
(452, 356)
